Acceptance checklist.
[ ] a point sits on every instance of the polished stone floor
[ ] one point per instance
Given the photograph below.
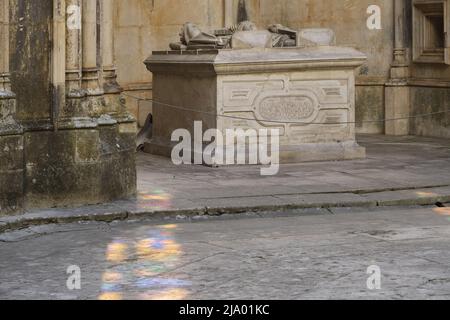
(306, 254)
(393, 163)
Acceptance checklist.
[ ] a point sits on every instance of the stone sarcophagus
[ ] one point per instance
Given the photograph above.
(307, 93)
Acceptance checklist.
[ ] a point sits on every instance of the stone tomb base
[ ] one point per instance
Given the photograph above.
(306, 93)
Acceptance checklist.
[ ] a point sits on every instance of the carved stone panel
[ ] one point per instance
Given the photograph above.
(287, 108)
(241, 95)
(296, 106)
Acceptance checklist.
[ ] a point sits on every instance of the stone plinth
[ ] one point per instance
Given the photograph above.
(306, 93)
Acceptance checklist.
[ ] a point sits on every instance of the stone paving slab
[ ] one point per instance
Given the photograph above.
(327, 200)
(406, 197)
(310, 255)
(398, 171)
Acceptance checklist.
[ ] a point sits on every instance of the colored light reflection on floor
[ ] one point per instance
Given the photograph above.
(426, 194)
(442, 211)
(141, 268)
(445, 212)
(155, 200)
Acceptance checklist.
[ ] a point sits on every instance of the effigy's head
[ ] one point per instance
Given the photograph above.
(246, 26)
(274, 28)
(188, 32)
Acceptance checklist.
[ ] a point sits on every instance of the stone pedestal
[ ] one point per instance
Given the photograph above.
(308, 94)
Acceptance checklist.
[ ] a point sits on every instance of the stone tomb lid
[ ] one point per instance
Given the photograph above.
(258, 59)
(258, 54)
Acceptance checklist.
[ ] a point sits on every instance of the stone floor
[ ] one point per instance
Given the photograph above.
(315, 254)
(317, 244)
(393, 163)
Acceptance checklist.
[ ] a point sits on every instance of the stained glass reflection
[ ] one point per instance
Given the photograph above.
(142, 268)
(423, 194)
(442, 211)
(154, 200)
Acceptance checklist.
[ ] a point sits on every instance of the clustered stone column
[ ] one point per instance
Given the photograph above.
(397, 89)
(73, 49)
(115, 103)
(81, 81)
(11, 138)
(92, 90)
(400, 51)
(87, 135)
(228, 13)
(4, 42)
(110, 84)
(90, 63)
(7, 97)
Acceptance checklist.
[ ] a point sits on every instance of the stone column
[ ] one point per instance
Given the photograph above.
(7, 97)
(5, 88)
(90, 66)
(110, 84)
(228, 13)
(242, 14)
(11, 138)
(400, 50)
(73, 49)
(77, 81)
(58, 70)
(397, 90)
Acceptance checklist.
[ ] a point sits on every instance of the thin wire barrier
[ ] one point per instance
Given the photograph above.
(286, 122)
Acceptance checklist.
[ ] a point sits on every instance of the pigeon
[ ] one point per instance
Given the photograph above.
(145, 133)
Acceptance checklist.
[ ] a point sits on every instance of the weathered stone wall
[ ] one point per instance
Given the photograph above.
(30, 45)
(11, 140)
(348, 18)
(142, 26)
(429, 93)
(426, 100)
(72, 167)
(29, 64)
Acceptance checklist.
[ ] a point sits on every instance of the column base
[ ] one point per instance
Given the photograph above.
(79, 166)
(11, 157)
(11, 174)
(91, 82)
(110, 85)
(397, 104)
